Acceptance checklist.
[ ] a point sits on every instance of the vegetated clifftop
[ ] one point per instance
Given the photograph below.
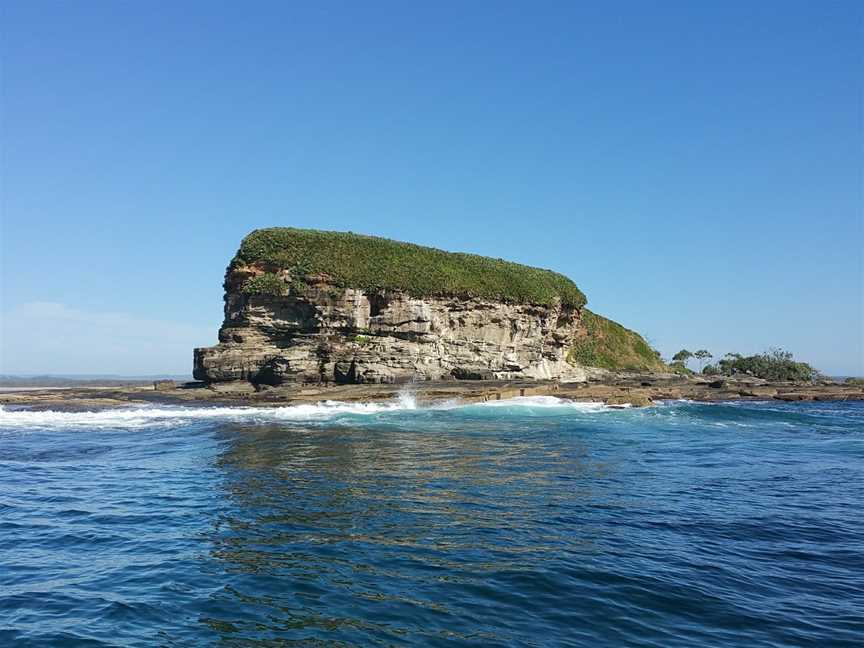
(305, 306)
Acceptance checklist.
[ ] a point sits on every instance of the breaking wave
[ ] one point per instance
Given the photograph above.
(171, 415)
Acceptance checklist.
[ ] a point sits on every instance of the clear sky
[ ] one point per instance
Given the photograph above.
(695, 167)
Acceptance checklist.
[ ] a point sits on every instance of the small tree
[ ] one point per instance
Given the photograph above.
(682, 356)
(702, 355)
(679, 362)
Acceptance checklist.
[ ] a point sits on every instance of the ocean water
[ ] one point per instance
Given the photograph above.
(530, 522)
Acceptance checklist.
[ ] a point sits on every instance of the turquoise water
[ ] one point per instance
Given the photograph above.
(528, 522)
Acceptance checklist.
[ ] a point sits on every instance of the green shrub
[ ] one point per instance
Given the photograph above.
(374, 264)
(774, 364)
(679, 367)
(268, 283)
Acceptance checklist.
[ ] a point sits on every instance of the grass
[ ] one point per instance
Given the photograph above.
(608, 345)
(374, 264)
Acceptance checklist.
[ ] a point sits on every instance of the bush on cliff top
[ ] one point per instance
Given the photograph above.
(372, 264)
(609, 345)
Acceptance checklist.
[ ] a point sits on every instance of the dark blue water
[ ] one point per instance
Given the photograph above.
(533, 524)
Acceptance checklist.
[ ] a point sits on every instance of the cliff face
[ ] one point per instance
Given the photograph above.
(309, 330)
(303, 306)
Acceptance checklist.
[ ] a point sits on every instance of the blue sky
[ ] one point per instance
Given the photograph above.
(696, 168)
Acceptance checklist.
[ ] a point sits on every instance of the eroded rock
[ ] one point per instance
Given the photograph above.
(319, 333)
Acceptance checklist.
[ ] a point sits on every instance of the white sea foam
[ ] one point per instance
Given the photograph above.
(144, 416)
(546, 402)
(162, 415)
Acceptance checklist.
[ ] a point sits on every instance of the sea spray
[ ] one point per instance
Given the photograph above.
(407, 396)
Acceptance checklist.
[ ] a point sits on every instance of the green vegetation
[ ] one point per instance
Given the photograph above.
(774, 364)
(609, 345)
(682, 356)
(680, 368)
(680, 360)
(852, 380)
(268, 283)
(373, 264)
(702, 356)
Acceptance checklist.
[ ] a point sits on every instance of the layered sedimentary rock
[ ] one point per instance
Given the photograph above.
(305, 306)
(316, 332)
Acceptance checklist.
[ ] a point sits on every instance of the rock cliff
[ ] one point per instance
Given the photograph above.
(318, 307)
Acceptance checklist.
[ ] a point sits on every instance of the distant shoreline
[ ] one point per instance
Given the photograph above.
(5, 388)
(9, 382)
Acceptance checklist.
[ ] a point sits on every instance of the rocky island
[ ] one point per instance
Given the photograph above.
(311, 307)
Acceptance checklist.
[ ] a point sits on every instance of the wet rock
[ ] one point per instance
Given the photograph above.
(633, 400)
(758, 392)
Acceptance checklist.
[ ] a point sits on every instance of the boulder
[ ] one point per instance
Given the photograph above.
(633, 400)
